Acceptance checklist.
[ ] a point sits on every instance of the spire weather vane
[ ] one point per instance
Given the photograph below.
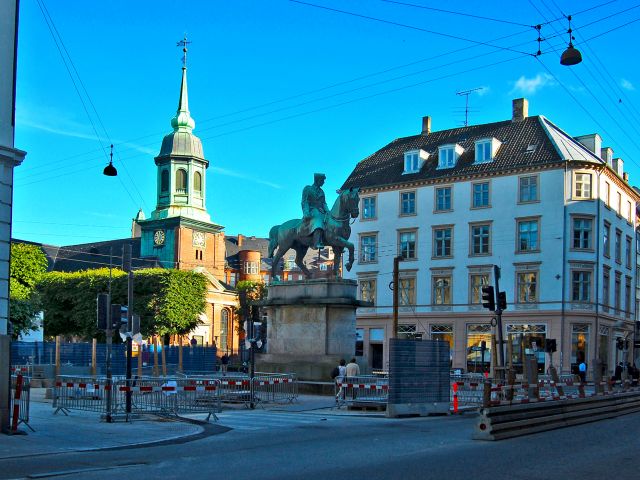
(183, 43)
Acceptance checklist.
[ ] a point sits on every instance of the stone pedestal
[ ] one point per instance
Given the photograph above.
(312, 325)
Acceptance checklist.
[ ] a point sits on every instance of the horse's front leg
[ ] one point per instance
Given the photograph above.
(351, 253)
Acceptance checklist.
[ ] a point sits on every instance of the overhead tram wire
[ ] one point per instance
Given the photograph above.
(297, 115)
(310, 92)
(597, 100)
(302, 94)
(411, 27)
(50, 21)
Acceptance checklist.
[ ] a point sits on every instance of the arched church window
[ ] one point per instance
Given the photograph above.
(181, 181)
(197, 182)
(224, 331)
(164, 181)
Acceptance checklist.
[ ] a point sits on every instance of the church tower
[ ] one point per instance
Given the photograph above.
(180, 233)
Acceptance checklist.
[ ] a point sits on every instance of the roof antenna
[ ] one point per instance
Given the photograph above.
(466, 93)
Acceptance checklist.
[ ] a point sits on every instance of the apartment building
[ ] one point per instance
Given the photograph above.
(556, 213)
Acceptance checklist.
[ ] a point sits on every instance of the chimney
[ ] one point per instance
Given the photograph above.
(520, 109)
(618, 166)
(240, 239)
(592, 142)
(606, 154)
(426, 125)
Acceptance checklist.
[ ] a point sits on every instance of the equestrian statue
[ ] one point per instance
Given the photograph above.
(318, 227)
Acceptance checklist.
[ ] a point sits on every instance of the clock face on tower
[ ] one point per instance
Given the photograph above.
(158, 237)
(198, 239)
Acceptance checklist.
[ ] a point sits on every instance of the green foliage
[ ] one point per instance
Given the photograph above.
(28, 265)
(249, 291)
(168, 301)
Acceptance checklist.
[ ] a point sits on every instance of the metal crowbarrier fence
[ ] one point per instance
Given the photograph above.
(20, 400)
(363, 390)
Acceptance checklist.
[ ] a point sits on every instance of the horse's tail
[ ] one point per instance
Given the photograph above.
(273, 240)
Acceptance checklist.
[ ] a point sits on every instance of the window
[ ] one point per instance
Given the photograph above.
(368, 290)
(411, 162)
(527, 340)
(627, 297)
(527, 284)
(408, 203)
(527, 235)
(368, 247)
(224, 331)
(618, 246)
(617, 291)
(477, 280)
(441, 289)
(446, 157)
(580, 286)
(579, 344)
(408, 332)
(407, 242)
(197, 182)
(443, 199)
(442, 333)
(181, 181)
(606, 295)
(606, 243)
(480, 239)
(407, 291)
(480, 194)
(607, 194)
(476, 334)
(483, 151)
(442, 241)
(629, 213)
(251, 268)
(628, 252)
(164, 181)
(368, 208)
(619, 203)
(582, 233)
(528, 189)
(582, 186)
(359, 342)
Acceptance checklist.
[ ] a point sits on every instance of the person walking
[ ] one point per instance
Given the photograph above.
(340, 371)
(224, 363)
(352, 369)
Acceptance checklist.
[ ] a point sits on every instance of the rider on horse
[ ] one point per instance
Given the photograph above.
(314, 211)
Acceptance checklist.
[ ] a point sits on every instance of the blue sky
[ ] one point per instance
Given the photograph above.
(281, 89)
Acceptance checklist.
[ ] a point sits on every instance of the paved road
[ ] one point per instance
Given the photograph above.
(269, 445)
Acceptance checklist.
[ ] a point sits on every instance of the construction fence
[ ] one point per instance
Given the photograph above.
(80, 356)
(170, 395)
(19, 402)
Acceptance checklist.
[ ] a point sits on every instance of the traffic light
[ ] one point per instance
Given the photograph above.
(102, 310)
(488, 298)
(619, 343)
(502, 300)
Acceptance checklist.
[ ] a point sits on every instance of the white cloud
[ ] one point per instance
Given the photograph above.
(626, 84)
(530, 86)
(229, 173)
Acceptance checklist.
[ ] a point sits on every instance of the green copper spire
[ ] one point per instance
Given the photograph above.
(183, 122)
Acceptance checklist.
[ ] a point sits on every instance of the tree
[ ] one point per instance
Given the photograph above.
(249, 291)
(28, 265)
(168, 301)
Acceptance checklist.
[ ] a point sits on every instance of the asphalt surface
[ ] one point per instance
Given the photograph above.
(313, 444)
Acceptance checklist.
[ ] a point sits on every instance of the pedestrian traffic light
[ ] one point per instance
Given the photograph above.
(102, 310)
(502, 300)
(488, 298)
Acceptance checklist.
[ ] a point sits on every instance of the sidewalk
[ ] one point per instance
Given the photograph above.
(85, 431)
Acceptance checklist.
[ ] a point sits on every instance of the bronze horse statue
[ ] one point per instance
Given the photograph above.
(336, 234)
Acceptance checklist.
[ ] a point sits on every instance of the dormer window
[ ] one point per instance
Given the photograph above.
(448, 155)
(486, 149)
(413, 160)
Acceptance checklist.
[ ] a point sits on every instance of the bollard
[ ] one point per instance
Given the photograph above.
(16, 404)
(455, 397)
(486, 395)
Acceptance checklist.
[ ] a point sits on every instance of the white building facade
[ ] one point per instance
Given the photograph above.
(556, 214)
